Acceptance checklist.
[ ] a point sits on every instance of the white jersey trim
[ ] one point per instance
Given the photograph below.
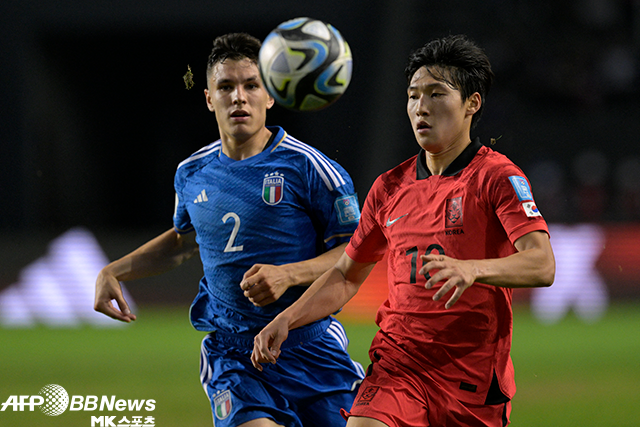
(203, 152)
(337, 331)
(329, 174)
(206, 372)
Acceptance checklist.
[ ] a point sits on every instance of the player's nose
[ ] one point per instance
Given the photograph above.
(239, 97)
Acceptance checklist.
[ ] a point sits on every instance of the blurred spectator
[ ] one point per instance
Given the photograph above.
(590, 169)
(627, 189)
(548, 178)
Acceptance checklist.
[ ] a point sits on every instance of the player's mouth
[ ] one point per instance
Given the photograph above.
(422, 126)
(239, 115)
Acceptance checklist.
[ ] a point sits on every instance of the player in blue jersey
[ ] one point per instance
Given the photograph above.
(268, 215)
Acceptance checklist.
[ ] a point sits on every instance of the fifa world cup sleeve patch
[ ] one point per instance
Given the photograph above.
(348, 209)
(521, 186)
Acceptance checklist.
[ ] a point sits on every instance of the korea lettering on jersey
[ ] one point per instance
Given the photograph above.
(523, 191)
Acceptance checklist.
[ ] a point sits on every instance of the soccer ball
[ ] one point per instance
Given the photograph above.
(305, 64)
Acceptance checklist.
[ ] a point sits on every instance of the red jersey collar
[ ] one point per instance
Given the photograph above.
(460, 162)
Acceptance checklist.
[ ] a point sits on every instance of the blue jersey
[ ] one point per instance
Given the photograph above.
(287, 204)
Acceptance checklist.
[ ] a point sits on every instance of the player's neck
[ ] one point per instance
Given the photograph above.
(241, 147)
(439, 161)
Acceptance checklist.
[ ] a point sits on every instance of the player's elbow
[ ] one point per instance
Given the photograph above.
(546, 275)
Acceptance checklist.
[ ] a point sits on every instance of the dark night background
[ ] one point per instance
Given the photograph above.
(95, 117)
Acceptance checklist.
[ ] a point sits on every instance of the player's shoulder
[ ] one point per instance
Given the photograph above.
(201, 157)
(395, 177)
(309, 158)
(289, 145)
(496, 163)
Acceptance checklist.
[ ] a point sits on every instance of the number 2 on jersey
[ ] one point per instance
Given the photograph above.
(234, 233)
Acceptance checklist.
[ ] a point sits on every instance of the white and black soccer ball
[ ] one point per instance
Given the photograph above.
(305, 64)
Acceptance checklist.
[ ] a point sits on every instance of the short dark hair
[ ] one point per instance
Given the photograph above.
(457, 61)
(234, 46)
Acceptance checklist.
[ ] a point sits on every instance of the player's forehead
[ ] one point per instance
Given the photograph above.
(431, 77)
(235, 70)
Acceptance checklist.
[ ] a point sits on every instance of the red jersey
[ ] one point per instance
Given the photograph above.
(477, 209)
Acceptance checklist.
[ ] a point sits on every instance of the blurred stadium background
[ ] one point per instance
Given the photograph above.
(95, 117)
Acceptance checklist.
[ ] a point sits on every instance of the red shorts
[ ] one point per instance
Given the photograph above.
(400, 397)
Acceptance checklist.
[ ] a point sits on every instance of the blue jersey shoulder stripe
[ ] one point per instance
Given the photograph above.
(322, 165)
(337, 177)
(203, 152)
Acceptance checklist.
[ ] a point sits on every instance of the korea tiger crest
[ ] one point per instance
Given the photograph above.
(453, 217)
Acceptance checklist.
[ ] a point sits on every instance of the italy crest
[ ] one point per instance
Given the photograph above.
(273, 188)
(222, 404)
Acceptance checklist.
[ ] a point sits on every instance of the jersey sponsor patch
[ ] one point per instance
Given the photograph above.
(222, 404)
(348, 209)
(531, 209)
(273, 188)
(521, 186)
(453, 214)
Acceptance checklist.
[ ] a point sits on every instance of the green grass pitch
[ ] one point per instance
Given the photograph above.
(569, 374)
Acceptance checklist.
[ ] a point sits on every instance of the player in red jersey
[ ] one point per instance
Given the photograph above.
(461, 230)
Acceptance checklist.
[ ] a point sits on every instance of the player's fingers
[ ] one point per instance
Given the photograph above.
(251, 271)
(255, 292)
(433, 265)
(446, 287)
(261, 298)
(436, 277)
(107, 308)
(273, 352)
(248, 283)
(262, 302)
(261, 352)
(454, 298)
(254, 359)
(124, 308)
(432, 258)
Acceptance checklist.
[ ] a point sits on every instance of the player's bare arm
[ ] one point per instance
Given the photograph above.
(532, 266)
(157, 256)
(325, 296)
(265, 283)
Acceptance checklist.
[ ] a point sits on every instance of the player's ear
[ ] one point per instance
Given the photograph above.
(209, 103)
(270, 102)
(474, 103)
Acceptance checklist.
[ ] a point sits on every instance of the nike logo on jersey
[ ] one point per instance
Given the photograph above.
(202, 197)
(391, 222)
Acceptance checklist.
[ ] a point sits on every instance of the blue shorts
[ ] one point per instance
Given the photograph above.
(313, 379)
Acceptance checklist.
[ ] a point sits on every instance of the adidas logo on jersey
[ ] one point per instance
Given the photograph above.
(202, 197)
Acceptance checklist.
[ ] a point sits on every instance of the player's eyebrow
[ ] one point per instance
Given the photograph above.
(248, 79)
(428, 86)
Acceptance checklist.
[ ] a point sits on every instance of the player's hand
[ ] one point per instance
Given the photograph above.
(108, 289)
(456, 274)
(264, 283)
(266, 345)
